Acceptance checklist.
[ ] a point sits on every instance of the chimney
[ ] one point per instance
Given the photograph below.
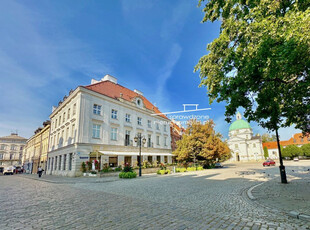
(138, 92)
(109, 78)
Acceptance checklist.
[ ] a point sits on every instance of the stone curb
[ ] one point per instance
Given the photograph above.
(293, 214)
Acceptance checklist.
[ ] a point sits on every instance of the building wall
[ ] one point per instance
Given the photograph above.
(242, 144)
(11, 150)
(74, 134)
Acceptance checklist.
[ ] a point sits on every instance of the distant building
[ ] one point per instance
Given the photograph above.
(35, 152)
(243, 145)
(296, 139)
(100, 121)
(176, 131)
(11, 149)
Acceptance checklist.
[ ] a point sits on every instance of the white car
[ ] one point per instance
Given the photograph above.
(296, 159)
(8, 170)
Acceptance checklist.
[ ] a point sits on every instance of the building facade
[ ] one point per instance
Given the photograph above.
(297, 139)
(100, 121)
(11, 149)
(243, 145)
(35, 151)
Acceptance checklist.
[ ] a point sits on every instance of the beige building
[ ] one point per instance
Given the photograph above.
(100, 121)
(11, 148)
(35, 152)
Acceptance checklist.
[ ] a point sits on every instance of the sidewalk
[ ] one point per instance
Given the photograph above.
(291, 197)
(77, 180)
(68, 180)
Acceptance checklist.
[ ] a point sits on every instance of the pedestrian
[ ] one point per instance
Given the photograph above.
(40, 171)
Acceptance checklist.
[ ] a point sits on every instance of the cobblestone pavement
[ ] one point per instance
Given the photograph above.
(294, 196)
(210, 199)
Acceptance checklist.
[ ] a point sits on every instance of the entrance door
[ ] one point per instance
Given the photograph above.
(128, 161)
(113, 161)
(237, 156)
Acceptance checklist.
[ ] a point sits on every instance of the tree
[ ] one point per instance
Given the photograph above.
(291, 151)
(260, 61)
(306, 150)
(267, 138)
(266, 154)
(201, 142)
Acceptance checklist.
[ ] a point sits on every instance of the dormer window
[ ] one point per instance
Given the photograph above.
(139, 102)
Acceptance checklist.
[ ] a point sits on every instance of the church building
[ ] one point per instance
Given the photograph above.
(243, 145)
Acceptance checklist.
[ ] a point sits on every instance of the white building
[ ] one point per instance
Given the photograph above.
(243, 145)
(100, 121)
(11, 149)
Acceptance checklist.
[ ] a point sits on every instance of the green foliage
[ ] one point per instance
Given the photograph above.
(193, 168)
(266, 154)
(93, 172)
(163, 171)
(106, 169)
(83, 166)
(291, 151)
(89, 165)
(305, 150)
(118, 169)
(260, 61)
(180, 170)
(127, 168)
(267, 138)
(127, 175)
(200, 141)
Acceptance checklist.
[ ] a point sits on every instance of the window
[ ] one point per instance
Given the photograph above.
(114, 114)
(73, 131)
(21, 148)
(59, 163)
(65, 159)
(56, 124)
(12, 147)
(301, 140)
(56, 163)
(157, 140)
(236, 146)
(1, 156)
(69, 110)
(59, 121)
(254, 145)
(113, 134)
(70, 161)
(74, 110)
(157, 126)
(127, 117)
(158, 159)
(96, 131)
(165, 128)
(149, 141)
(139, 121)
(67, 133)
(2, 147)
(165, 141)
(11, 156)
(97, 109)
(127, 138)
(149, 123)
(64, 117)
(247, 136)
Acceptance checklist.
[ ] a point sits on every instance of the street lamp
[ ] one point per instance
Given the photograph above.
(139, 139)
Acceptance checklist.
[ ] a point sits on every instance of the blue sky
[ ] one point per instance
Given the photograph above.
(50, 47)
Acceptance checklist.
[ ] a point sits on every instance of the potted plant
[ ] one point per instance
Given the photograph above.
(84, 168)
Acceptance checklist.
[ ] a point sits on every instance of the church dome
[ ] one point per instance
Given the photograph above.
(239, 124)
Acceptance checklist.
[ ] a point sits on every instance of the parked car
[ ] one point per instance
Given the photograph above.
(296, 159)
(269, 163)
(218, 165)
(8, 170)
(1, 169)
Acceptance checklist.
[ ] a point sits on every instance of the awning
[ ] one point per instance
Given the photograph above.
(108, 153)
(95, 154)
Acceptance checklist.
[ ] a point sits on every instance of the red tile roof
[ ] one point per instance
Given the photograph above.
(297, 139)
(114, 91)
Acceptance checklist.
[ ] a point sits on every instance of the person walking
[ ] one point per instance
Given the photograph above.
(40, 171)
